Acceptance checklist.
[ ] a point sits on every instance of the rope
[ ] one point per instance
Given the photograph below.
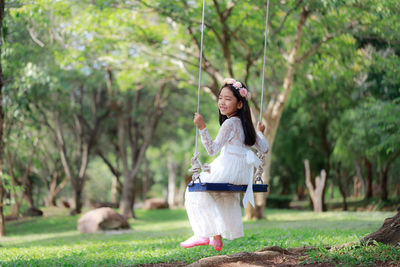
(260, 169)
(197, 167)
(195, 162)
(200, 66)
(265, 52)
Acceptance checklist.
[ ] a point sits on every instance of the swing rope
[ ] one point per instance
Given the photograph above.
(261, 156)
(265, 53)
(200, 67)
(196, 166)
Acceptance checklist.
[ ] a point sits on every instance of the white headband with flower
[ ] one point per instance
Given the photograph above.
(239, 86)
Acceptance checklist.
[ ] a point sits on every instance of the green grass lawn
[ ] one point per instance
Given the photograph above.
(54, 240)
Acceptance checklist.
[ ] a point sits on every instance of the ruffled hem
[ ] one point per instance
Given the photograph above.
(212, 214)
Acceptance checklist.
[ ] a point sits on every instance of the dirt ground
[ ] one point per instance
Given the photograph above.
(269, 256)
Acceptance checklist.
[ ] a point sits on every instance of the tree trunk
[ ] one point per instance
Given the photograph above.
(183, 183)
(114, 190)
(300, 192)
(50, 200)
(368, 191)
(389, 233)
(273, 113)
(316, 194)
(181, 193)
(341, 188)
(332, 196)
(359, 185)
(2, 222)
(171, 182)
(77, 199)
(383, 173)
(328, 151)
(128, 198)
(285, 183)
(145, 181)
(15, 206)
(28, 193)
(54, 189)
(128, 186)
(383, 177)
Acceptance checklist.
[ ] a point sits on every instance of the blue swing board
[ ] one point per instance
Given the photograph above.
(226, 187)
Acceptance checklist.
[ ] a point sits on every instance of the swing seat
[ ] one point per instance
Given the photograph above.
(226, 187)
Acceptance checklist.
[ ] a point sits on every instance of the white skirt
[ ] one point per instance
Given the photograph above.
(214, 213)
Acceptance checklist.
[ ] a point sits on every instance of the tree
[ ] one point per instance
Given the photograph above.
(20, 168)
(51, 169)
(231, 29)
(316, 193)
(137, 79)
(388, 233)
(2, 222)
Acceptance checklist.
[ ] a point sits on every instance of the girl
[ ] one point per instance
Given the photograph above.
(214, 215)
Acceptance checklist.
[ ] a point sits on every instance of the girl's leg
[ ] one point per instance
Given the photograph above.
(216, 242)
(204, 214)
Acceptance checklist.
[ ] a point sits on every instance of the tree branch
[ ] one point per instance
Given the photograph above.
(314, 48)
(290, 11)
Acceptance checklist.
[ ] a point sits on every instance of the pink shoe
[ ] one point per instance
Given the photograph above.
(195, 241)
(217, 244)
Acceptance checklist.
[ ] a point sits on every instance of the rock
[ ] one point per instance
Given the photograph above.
(9, 218)
(33, 212)
(65, 204)
(101, 219)
(155, 204)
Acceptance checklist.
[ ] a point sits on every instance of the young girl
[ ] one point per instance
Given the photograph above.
(214, 215)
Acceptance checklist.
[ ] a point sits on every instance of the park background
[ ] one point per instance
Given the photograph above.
(98, 100)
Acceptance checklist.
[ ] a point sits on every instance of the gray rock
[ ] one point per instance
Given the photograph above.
(101, 219)
(155, 204)
(32, 212)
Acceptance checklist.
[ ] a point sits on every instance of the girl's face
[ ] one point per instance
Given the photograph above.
(228, 104)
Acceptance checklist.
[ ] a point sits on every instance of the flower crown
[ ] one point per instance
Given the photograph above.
(238, 86)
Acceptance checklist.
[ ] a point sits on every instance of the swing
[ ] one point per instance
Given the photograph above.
(199, 186)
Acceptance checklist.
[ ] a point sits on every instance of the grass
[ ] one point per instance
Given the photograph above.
(54, 240)
(378, 254)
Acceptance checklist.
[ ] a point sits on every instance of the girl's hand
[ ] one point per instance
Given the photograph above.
(260, 127)
(199, 121)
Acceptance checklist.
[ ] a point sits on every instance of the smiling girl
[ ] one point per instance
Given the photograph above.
(212, 215)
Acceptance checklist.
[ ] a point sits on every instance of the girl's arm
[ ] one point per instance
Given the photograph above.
(224, 135)
(261, 142)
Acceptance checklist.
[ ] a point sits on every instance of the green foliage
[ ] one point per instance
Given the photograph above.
(54, 240)
(343, 105)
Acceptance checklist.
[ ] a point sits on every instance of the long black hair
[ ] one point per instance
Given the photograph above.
(244, 114)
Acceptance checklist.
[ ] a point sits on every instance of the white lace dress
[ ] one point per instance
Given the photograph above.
(214, 213)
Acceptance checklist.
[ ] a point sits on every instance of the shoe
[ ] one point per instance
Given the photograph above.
(195, 241)
(217, 244)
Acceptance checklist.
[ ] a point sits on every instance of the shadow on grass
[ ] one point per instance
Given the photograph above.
(69, 223)
(42, 225)
(100, 237)
(124, 253)
(163, 215)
